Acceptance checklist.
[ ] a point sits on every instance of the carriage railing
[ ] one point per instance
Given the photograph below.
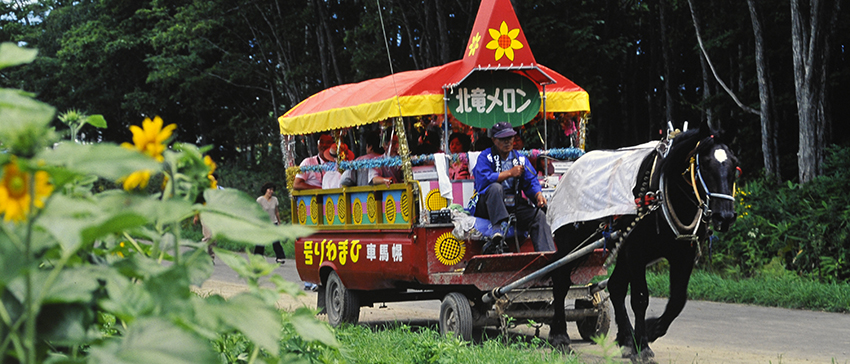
(356, 208)
(381, 207)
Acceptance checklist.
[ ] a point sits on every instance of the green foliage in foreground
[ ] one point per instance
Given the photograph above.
(90, 275)
(772, 286)
(192, 232)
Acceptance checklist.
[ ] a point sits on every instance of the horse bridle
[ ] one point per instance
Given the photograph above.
(708, 194)
(703, 209)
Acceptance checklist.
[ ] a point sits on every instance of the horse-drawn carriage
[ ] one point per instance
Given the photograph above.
(395, 243)
(404, 242)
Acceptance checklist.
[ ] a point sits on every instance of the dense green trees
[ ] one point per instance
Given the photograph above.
(224, 70)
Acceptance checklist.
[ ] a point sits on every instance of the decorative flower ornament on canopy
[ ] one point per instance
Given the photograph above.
(504, 41)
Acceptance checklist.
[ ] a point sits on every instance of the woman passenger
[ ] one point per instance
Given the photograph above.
(371, 176)
(458, 146)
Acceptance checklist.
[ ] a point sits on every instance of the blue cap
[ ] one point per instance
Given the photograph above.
(502, 129)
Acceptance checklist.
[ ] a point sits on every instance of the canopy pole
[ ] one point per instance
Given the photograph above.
(582, 130)
(403, 149)
(340, 154)
(545, 134)
(446, 120)
(545, 122)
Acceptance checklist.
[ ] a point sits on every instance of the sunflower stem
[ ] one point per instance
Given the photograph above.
(29, 303)
(171, 171)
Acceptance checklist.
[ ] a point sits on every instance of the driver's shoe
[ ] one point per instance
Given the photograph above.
(495, 245)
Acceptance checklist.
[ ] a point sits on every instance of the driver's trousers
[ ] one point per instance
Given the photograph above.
(491, 206)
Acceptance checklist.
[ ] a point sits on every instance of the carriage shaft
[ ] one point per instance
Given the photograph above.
(501, 291)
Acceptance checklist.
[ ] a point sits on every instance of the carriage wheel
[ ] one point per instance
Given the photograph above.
(342, 304)
(592, 326)
(456, 316)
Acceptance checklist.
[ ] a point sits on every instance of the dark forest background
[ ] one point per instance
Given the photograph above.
(224, 70)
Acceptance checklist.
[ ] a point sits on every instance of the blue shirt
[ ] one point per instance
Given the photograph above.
(486, 172)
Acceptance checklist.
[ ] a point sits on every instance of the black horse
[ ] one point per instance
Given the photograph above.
(693, 183)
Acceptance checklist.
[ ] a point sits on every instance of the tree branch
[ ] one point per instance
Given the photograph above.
(711, 65)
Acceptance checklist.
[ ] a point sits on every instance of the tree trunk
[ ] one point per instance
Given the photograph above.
(809, 41)
(665, 52)
(444, 32)
(320, 43)
(426, 28)
(708, 113)
(414, 55)
(330, 43)
(765, 103)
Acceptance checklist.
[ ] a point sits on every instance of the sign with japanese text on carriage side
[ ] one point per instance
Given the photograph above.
(349, 251)
(486, 98)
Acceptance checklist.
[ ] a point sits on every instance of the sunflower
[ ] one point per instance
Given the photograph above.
(209, 162)
(149, 139)
(136, 179)
(504, 41)
(15, 195)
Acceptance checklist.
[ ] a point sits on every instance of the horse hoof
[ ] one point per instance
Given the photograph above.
(560, 342)
(643, 357)
(653, 329)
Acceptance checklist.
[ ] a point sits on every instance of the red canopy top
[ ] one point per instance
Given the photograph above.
(496, 42)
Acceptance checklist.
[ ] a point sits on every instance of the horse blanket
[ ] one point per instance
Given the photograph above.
(598, 184)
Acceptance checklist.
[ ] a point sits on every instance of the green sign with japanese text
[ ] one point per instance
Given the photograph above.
(488, 97)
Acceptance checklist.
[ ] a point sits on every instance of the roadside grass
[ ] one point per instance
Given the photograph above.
(769, 287)
(403, 344)
(406, 344)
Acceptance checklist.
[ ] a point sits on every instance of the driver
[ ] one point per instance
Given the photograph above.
(500, 175)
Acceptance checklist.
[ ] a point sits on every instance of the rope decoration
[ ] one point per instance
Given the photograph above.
(558, 153)
(290, 176)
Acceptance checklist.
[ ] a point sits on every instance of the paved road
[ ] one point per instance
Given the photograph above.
(706, 332)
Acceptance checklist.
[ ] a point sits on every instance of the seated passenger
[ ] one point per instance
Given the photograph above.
(481, 140)
(371, 176)
(394, 172)
(519, 144)
(458, 146)
(333, 178)
(500, 174)
(430, 142)
(313, 179)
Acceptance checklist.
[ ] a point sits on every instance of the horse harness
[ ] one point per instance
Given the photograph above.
(651, 197)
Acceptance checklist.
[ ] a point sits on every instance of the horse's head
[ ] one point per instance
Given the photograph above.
(716, 170)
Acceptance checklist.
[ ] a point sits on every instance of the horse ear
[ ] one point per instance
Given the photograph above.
(704, 131)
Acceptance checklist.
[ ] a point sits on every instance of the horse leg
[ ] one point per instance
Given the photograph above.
(640, 302)
(680, 275)
(618, 285)
(558, 336)
(561, 282)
